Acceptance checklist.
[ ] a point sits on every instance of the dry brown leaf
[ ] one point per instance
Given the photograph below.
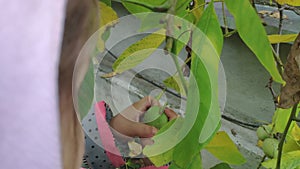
(290, 93)
(135, 149)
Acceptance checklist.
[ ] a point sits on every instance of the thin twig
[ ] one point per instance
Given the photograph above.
(224, 18)
(278, 61)
(170, 43)
(291, 8)
(269, 86)
(199, 6)
(284, 6)
(279, 27)
(296, 119)
(287, 127)
(262, 160)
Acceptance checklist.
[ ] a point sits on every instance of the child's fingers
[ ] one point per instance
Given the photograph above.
(171, 114)
(131, 128)
(145, 103)
(142, 130)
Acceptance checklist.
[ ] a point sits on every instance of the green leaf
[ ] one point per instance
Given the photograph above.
(280, 119)
(107, 2)
(252, 32)
(138, 6)
(108, 18)
(150, 21)
(182, 31)
(221, 166)
(161, 152)
(289, 160)
(222, 147)
(282, 38)
(174, 82)
(86, 92)
(167, 156)
(198, 9)
(196, 162)
(183, 12)
(209, 24)
(289, 2)
(290, 144)
(202, 100)
(139, 51)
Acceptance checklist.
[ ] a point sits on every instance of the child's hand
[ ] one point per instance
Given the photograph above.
(127, 122)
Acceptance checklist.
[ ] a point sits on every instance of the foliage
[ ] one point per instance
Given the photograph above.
(217, 148)
(108, 18)
(86, 92)
(282, 38)
(202, 109)
(248, 26)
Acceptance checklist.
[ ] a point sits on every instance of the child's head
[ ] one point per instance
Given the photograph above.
(80, 24)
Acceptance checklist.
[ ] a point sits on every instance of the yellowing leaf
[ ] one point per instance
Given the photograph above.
(108, 18)
(280, 119)
(290, 144)
(259, 143)
(296, 132)
(289, 160)
(139, 51)
(198, 8)
(282, 38)
(174, 82)
(289, 2)
(222, 147)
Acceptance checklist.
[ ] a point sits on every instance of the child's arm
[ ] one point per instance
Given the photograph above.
(126, 124)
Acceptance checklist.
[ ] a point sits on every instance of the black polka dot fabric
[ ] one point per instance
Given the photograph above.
(95, 156)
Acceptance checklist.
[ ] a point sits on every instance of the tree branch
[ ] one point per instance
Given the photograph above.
(269, 86)
(280, 146)
(291, 8)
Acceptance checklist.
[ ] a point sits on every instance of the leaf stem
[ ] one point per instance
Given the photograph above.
(278, 61)
(287, 127)
(170, 42)
(178, 67)
(262, 160)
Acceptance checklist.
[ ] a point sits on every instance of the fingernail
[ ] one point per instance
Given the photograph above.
(154, 130)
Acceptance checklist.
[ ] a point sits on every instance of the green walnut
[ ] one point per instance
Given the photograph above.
(155, 117)
(270, 146)
(264, 132)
